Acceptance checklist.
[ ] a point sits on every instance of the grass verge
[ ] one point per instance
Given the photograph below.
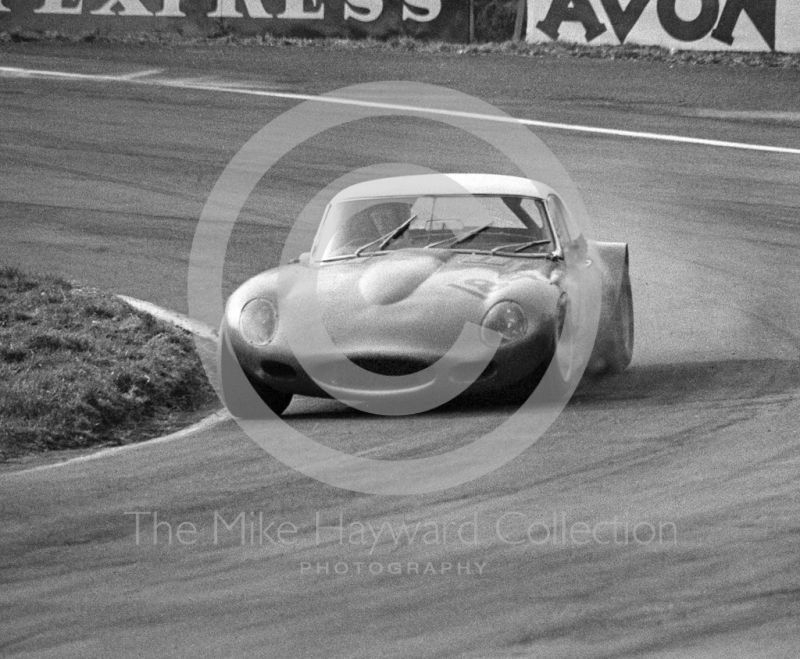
(80, 368)
(409, 44)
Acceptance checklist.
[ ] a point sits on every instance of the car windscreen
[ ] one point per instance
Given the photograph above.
(486, 223)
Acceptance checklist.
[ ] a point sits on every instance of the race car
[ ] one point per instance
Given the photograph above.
(399, 266)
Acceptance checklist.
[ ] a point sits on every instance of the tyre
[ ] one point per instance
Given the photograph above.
(245, 397)
(564, 353)
(620, 349)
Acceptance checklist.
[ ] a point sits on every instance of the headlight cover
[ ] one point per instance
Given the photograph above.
(506, 318)
(258, 321)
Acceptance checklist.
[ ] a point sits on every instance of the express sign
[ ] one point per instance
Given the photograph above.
(360, 10)
(442, 19)
(698, 24)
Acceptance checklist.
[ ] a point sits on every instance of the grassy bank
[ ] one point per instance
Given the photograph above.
(80, 368)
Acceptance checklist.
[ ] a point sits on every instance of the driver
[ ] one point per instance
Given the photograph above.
(370, 224)
(387, 217)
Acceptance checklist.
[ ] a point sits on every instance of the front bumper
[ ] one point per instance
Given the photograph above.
(385, 373)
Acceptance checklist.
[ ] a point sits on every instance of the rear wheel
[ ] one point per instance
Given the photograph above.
(564, 352)
(244, 397)
(620, 350)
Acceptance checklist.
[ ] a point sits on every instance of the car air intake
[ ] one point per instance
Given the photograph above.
(390, 366)
(278, 370)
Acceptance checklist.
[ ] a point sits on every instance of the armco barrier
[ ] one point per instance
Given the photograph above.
(446, 20)
(748, 25)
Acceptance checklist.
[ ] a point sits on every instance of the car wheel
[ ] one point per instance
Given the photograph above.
(243, 396)
(519, 392)
(564, 344)
(620, 350)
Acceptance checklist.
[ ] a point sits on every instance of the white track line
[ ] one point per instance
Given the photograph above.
(204, 424)
(141, 74)
(144, 78)
(179, 320)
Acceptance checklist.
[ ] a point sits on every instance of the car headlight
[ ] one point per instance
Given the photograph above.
(506, 318)
(258, 321)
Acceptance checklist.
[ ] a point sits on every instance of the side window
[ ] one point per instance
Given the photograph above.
(568, 229)
(556, 210)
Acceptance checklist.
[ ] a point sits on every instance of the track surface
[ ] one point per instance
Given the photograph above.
(105, 182)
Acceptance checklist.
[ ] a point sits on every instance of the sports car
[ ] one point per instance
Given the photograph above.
(399, 266)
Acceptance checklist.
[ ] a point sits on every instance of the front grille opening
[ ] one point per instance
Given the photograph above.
(278, 370)
(390, 366)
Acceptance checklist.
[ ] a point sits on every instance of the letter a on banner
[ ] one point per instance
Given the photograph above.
(564, 11)
(623, 20)
(761, 12)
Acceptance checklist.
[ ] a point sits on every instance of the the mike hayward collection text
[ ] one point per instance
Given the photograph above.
(261, 529)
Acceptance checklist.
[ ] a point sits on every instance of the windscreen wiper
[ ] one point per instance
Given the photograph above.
(387, 237)
(520, 246)
(460, 239)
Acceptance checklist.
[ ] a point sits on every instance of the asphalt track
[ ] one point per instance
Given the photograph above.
(104, 182)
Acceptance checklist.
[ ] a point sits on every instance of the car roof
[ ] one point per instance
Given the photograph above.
(444, 184)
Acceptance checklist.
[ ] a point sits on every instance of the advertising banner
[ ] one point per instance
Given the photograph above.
(739, 25)
(446, 20)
